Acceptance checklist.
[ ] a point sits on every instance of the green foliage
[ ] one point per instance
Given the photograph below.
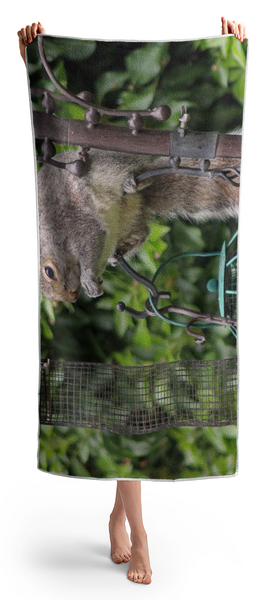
(230, 63)
(207, 76)
(178, 453)
(204, 74)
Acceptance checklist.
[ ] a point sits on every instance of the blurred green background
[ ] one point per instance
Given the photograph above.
(208, 76)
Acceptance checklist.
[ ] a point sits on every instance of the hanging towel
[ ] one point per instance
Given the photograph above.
(138, 151)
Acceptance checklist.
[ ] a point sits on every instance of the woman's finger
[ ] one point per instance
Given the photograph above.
(34, 28)
(230, 27)
(224, 26)
(41, 29)
(22, 44)
(236, 33)
(28, 34)
(242, 33)
(23, 36)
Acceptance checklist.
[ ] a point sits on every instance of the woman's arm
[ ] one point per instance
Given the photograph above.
(26, 35)
(233, 27)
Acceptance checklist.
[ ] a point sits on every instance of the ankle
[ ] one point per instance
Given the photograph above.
(138, 536)
(117, 517)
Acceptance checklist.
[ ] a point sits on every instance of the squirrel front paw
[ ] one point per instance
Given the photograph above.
(127, 246)
(129, 185)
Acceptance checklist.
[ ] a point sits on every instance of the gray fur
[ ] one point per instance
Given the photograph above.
(85, 222)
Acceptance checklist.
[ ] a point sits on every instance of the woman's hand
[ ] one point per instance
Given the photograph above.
(233, 27)
(26, 35)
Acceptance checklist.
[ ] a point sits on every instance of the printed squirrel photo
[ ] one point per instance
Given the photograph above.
(89, 222)
(85, 223)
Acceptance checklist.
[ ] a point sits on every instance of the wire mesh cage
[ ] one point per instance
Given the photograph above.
(139, 399)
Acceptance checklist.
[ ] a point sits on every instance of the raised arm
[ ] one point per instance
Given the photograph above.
(27, 34)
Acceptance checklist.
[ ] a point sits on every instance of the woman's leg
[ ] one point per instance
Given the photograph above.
(139, 566)
(120, 543)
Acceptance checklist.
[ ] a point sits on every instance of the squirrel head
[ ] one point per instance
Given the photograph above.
(57, 285)
(66, 286)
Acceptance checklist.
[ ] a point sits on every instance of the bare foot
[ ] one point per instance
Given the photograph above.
(119, 539)
(139, 566)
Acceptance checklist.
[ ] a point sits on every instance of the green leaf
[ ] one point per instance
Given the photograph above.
(60, 73)
(68, 110)
(109, 81)
(47, 306)
(235, 73)
(137, 448)
(137, 100)
(214, 42)
(122, 322)
(207, 93)
(78, 469)
(146, 63)
(238, 90)
(230, 431)
(45, 330)
(42, 460)
(142, 335)
(124, 358)
(237, 51)
(181, 77)
(70, 48)
(157, 232)
(221, 74)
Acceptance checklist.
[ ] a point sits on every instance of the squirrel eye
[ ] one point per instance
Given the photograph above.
(49, 272)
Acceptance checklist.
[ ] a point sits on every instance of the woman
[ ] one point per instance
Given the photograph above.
(128, 493)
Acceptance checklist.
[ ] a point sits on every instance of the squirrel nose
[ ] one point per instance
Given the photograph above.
(74, 294)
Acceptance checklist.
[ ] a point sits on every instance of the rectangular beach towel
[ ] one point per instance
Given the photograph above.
(138, 148)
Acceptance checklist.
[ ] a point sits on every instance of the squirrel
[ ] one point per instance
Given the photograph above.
(86, 223)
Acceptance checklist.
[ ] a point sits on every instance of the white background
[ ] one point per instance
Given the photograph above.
(208, 539)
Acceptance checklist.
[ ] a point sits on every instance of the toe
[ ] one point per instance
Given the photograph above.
(125, 559)
(117, 558)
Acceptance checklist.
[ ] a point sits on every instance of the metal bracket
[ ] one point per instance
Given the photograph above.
(194, 144)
